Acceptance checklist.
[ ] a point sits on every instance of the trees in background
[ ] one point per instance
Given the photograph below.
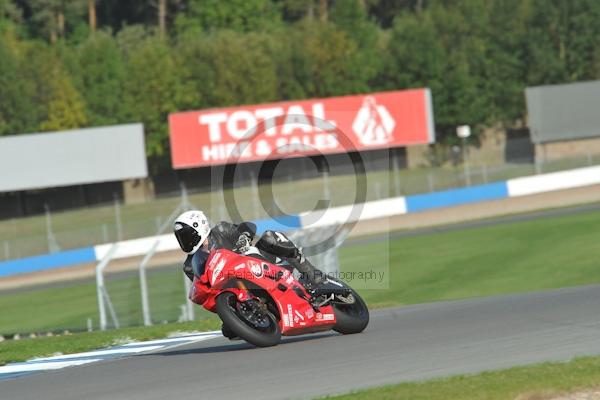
(67, 64)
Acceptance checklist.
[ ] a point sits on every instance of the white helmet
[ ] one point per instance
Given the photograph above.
(191, 230)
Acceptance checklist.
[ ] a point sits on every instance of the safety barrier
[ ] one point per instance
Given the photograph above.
(422, 202)
(127, 248)
(48, 261)
(333, 216)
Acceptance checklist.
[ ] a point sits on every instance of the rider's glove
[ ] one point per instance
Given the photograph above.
(243, 243)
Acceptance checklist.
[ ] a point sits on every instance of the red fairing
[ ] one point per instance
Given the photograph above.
(200, 294)
(229, 271)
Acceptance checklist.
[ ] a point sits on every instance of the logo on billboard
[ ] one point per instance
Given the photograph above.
(373, 124)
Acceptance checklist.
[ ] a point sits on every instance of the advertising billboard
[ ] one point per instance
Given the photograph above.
(563, 112)
(81, 156)
(301, 128)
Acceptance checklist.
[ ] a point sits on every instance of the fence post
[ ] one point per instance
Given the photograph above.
(52, 245)
(222, 214)
(430, 182)
(101, 290)
(255, 195)
(538, 167)
(144, 284)
(185, 201)
(104, 233)
(118, 218)
(378, 191)
(396, 173)
(467, 167)
(187, 285)
(484, 173)
(326, 191)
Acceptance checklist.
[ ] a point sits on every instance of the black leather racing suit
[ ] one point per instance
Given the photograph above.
(272, 244)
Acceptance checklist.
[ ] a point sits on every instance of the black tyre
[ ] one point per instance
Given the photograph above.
(262, 333)
(351, 318)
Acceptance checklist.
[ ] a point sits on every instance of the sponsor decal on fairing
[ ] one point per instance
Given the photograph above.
(256, 268)
(217, 271)
(290, 315)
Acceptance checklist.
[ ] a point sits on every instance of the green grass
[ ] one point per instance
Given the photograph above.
(509, 258)
(70, 305)
(534, 382)
(21, 350)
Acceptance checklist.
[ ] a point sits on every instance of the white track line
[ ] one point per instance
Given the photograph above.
(70, 360)
(32, 367)
(100, 353)
(189, 338)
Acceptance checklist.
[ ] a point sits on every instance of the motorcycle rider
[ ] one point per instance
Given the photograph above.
(197, 239)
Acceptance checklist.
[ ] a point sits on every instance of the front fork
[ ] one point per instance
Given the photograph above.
(241, 292)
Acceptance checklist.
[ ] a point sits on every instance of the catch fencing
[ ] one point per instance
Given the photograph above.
(113, 222)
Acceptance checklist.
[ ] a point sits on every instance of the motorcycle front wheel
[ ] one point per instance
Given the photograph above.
(350, 317)
(256, 327)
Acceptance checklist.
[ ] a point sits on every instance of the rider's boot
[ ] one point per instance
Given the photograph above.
(317, 283)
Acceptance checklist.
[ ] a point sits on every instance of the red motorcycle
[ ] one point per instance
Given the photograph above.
(260, 301)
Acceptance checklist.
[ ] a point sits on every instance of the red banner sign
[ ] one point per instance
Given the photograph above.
(301, 128)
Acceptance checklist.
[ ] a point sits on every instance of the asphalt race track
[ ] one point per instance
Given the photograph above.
(401, 344)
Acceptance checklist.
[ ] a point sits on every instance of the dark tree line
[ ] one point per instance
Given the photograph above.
(74, 63)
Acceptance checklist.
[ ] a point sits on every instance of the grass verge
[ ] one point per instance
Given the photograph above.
(25, 349)
(516, 257)
(536, 382)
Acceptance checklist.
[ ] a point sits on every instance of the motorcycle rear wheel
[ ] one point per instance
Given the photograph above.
(227, 308)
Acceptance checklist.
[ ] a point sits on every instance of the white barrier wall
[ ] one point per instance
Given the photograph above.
(352, 213)
(554, 181)
(397, 206)
(138, 247)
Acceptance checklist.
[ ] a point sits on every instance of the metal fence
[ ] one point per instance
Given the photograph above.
(115, 221)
